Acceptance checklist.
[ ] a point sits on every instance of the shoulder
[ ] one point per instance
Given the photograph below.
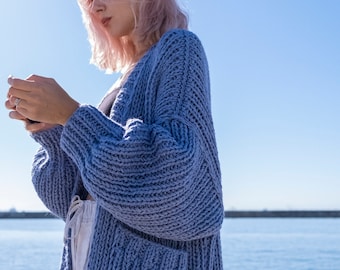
(177, 38)
(178, 45)
(178, 33)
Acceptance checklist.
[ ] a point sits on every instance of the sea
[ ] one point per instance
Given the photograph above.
(247, 244)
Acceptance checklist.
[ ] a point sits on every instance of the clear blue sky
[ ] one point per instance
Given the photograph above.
(275, 76)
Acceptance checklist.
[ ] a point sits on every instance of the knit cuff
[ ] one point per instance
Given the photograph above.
(48, 139)
(85, 128)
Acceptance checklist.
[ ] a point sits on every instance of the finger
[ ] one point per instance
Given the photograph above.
(36, 127)
(15, 93)
(14, 101)
(20, 84)
(16, 116)
(37, 78)
(33, 127)
(9, 105)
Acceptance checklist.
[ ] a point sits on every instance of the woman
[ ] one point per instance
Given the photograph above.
(137, 179)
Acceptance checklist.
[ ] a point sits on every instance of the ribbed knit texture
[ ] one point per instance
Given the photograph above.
(152, 166)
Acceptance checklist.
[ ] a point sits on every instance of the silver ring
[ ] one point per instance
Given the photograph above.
(17, 101)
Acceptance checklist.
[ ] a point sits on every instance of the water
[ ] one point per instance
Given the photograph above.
(248, 244)
(30, 244)
(281, 244)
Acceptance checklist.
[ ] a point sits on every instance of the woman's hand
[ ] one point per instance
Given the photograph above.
(40, 99)
(29, 125)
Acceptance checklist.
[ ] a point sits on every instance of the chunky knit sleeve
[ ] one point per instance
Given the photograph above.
(157, 173)
(54, 175)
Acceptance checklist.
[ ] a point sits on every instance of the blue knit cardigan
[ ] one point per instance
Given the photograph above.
(151, 165)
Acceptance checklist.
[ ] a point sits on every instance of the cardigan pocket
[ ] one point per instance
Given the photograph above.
(131, 251)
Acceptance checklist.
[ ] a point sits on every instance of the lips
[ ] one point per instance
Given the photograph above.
(105, 21)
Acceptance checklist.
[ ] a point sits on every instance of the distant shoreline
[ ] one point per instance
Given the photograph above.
(227, 214)
(283, 214)
(25, 215)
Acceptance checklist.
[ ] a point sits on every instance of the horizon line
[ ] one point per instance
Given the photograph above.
(227, 214)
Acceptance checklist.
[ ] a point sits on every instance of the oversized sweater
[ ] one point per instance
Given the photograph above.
(151, 165)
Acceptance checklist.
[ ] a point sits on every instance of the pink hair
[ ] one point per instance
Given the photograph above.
(152, 19)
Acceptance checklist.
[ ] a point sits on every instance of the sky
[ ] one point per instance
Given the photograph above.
(275, 86)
